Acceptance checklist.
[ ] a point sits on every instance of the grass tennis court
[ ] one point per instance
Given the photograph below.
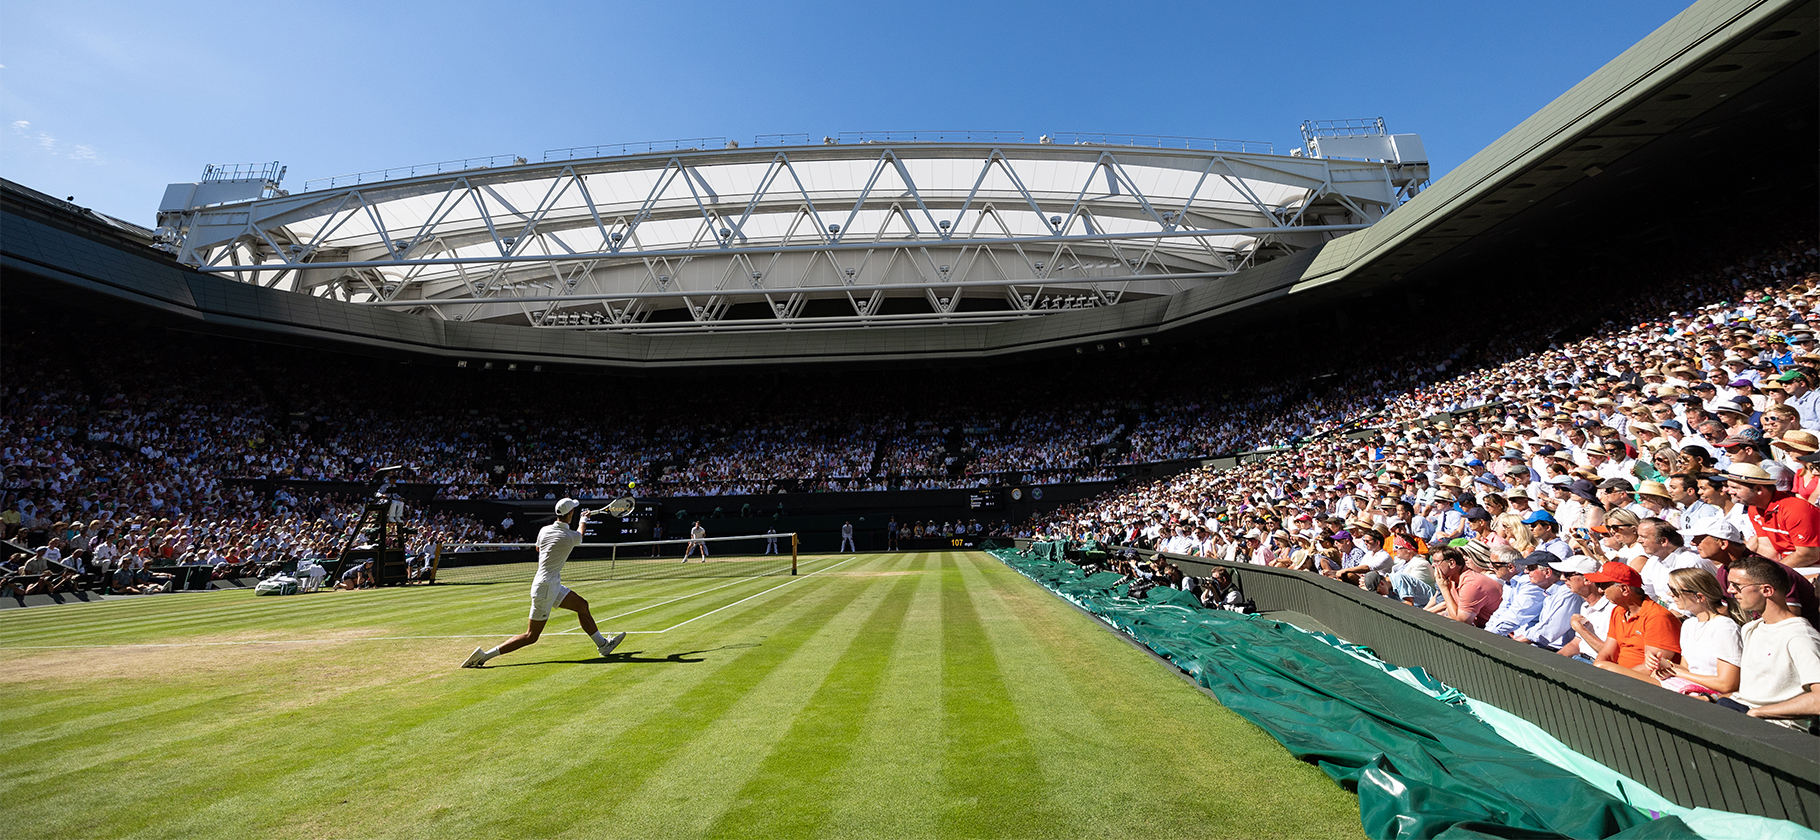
(899, 695)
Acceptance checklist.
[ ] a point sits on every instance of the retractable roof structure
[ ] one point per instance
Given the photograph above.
(864, 231)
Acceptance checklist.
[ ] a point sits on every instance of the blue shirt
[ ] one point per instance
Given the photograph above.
(1522, 605)
(1553, 628)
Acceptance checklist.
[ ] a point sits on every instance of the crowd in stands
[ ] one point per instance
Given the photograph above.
(1640, 496)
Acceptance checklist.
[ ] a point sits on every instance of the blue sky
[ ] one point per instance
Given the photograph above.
(110, 101)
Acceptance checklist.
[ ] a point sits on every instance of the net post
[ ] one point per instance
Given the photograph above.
(435, 561)
(793, 555)
(613, 562)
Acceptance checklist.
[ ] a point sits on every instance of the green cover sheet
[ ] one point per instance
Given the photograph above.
(1422, 766)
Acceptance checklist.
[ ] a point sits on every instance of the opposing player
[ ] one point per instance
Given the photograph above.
(554, 543)
(698, 537)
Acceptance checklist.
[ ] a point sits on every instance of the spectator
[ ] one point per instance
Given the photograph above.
(1643, 633)
(1524, 594)
(1664, 552)
(1710, 642)
(1780, 669)
(1552, 628)
(1467, 594)
(1788, 528)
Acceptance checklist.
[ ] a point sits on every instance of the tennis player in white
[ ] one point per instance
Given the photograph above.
(554, 543)
(697, 540)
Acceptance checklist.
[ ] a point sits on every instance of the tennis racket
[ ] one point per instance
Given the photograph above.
(618, 507)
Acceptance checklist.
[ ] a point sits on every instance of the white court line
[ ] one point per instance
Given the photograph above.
(458, 636)
(750, 597)
(703, 592)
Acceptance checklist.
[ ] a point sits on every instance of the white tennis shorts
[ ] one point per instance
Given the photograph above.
(545, 595)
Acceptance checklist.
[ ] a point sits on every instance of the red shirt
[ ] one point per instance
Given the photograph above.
(1789, 522)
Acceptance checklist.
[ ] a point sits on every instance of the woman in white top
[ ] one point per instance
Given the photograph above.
(1711, 645)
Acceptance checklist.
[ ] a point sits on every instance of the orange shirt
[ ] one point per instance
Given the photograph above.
(1654, 626)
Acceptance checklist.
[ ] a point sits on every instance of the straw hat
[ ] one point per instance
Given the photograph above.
(1798, 440)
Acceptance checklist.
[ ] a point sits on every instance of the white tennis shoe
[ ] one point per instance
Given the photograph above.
(476, 658)
(611, 643)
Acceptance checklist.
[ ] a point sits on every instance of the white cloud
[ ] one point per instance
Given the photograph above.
(50, 145)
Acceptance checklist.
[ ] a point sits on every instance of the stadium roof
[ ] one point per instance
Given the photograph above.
(1714, 113)
(885, 231)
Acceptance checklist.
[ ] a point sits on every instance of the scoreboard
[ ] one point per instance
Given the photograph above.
(635, 525)
(984, 499)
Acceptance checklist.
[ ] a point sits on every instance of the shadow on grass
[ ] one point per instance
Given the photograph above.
(632, 657)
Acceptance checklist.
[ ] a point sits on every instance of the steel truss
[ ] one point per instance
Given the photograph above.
(746, 239)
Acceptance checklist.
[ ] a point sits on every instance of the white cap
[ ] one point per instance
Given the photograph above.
(1579, 564)
(1714, 526)
(564, 505)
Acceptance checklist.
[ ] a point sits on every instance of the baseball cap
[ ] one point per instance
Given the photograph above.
(1616, 572)
(1616, 484)
(565, 504)
(1577, 564)
(1535, 516)
(1536, 558)
(1714, 526)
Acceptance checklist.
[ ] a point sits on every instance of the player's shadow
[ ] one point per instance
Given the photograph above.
(632, 657)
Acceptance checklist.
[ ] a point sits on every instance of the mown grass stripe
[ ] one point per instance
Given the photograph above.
(640, 753)
(681, 736)
(823, 737)
(995, 784)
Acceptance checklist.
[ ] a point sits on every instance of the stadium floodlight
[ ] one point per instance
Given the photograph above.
(725, 233)
(943, 224)
(834, 229)
(1055, 221)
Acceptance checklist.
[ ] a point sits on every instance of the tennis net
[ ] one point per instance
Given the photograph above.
(736, 556)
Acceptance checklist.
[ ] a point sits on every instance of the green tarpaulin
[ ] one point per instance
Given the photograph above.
(1422, 766)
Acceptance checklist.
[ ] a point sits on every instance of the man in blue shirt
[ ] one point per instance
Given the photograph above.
(1523, 599)
(1553, 627)
(1542, 524)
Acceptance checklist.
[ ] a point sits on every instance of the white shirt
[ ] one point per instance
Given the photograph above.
(1599, 615)
(1704, 643)
(1780, 660)
(1656, 569)
(554, 542)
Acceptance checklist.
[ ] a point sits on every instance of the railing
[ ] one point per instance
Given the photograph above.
(789, 140)
(243, 172)
(1161, 141)
(441, 166)
(636, 148)
(1208, 144)
(1344, 128)
(930, 136)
